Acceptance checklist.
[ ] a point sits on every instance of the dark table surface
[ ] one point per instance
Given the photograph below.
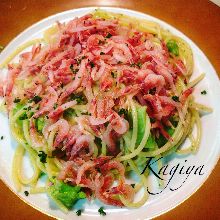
(198, 19)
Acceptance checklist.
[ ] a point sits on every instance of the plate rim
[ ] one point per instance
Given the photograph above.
(123, 9)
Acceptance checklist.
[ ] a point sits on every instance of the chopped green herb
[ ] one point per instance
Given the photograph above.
(79, 212)
(204, 92)
(152, 120)
(2, 137)
(102, 53)
(123, 111)
(92, 64)
(26, 193)
(17, 100)
(73, 70)
(98, 141)
(69, 113)
(119, 62)
(55, 106)
(133, 185)
(23, 116)
(139, 65)
(101, 42)
(108, 35)
(28, 108)
(42, 156)
(106, 124)
(36, 99)
(175, 98)
(78, 61)
(173, 47)
(101, 211)
(86, 113)
(78, 97)
(113, 74)
(152, 91)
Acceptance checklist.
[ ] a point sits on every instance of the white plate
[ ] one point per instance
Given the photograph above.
(157, 204)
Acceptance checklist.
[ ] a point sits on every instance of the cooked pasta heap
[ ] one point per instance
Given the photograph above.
(93, 99)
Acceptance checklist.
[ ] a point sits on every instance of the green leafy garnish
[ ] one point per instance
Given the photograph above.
(204, 92)
(42, 156)
(55, 106)
(69, 113)
(101, 211)
(2, 137)
(113, 74)
(138, 64)
(101, 42)
(79, 212)
(80, 99)
(36, 99)
(23, 116)
(133, 185)
(65, 194)
(173, 47)
(98, 141)
(175, 98)
(26, 193)
(108, 35)
(92, 64)
(79, 60)
(73, 70)
(123, 111)
(17, 100)
(102, 53)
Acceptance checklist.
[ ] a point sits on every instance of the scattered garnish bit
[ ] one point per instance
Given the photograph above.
(92, 64)
(175, 98)
(139, 65)
(113, 74)
(2, 137)
(55, 106)
(133, 185)
(17, 100)
(42, 156)
(108, 35)
(204, 92)
(23, 117)
(123, 111)
(79, 98)
(26, 193)
(36, 99)
(79, 212)
(101, 211)
(73, 70)
(102, 53)
(78, 61)
(68, 113)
